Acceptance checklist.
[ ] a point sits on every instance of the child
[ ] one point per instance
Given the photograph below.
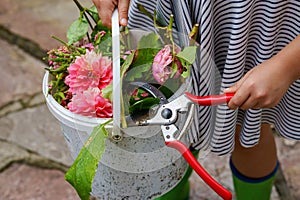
(255, 48)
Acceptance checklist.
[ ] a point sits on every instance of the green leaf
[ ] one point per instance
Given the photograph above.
(59, 95)
(126, 64)
(174, 69)
(100, 27)
(124, 68)
(186, 73)
(105, 45)
(107, 92)
(82, 172)
(137, 72)
(188, 55)
(144, 104)
(150, 40)
(77, 30)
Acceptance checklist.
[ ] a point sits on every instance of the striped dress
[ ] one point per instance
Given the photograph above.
(234, 36)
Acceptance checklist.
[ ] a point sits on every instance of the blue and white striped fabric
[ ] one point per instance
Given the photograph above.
(234, 36)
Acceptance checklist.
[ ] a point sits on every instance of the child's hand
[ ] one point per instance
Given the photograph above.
(262, 87)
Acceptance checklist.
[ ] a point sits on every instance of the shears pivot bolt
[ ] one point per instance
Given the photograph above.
(166, 113)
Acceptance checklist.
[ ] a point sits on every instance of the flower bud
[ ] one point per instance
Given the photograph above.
(160, 67)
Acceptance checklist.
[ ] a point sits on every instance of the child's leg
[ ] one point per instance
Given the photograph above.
(254, 168)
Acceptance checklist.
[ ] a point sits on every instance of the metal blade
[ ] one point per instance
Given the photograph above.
(152, 90)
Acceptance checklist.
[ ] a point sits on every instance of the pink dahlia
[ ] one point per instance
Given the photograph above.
(160, 67)
(89, 71)
(91, 103)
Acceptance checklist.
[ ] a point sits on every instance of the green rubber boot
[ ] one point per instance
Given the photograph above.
(252, 189)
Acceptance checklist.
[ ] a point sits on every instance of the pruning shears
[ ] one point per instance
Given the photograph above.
(167, 115)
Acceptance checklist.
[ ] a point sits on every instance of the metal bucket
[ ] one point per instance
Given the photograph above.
(140, 166)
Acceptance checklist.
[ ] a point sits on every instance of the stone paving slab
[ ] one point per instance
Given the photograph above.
(35, 129)
(24, 182)
(10, 153)
(20, 76)
(288, 153)
(38, 20)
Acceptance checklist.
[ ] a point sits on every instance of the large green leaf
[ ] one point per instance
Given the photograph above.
(81, 174)
(150, 40)
(77, 30)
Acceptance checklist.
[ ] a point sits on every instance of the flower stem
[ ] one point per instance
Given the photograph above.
(60, 40)
(89, 13)
(83, 11)
(170, 35)
(193, 34)
(170, 26)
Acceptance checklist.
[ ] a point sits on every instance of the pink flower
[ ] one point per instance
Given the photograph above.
(160, 67)
(61, 52)
(145, 94)
(91, 103)
(99, 35)
(89, 71)
(126, 54)
(88, 46)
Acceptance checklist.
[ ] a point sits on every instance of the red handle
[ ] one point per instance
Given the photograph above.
(210, 100)
(187, 154)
